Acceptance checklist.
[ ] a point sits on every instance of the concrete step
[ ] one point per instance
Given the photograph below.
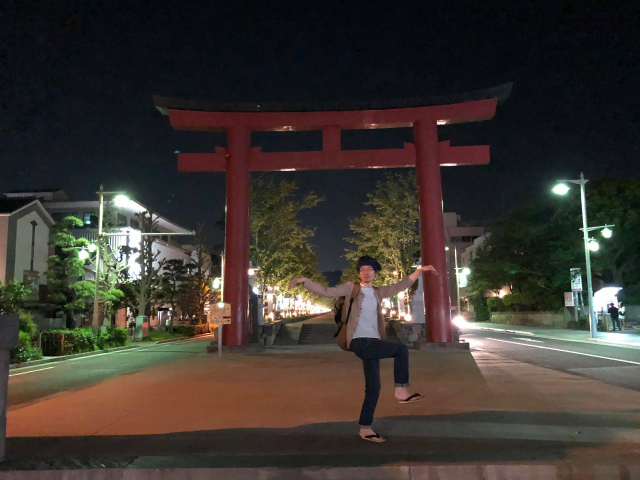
(316, 334)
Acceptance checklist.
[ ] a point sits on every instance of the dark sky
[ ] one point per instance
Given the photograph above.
(76, 84)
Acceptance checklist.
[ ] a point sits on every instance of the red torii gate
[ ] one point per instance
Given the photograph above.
(238, 160)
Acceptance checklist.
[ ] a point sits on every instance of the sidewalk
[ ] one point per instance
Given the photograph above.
(291, 412)
(628, 337)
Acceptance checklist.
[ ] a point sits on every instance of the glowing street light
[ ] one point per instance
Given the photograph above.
(590, 245)
(83, 254)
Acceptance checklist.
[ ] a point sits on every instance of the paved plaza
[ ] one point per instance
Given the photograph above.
(291, 412)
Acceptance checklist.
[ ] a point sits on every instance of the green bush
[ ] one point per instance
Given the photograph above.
(27, 324)
(113, 337)
(24, 352)
(118, 336)
(78, 340)
(495, 304)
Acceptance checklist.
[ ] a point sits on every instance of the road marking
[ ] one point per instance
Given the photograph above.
(566, 351)
(528, 340)
(32, 371)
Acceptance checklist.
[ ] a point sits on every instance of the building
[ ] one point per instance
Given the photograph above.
(459, 236)
(24, 250)
(117, 219)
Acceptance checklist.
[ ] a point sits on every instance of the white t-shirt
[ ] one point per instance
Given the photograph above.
(368, 321)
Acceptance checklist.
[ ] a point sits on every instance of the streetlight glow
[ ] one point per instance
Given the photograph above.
(561, 189)
(121, 200)
(593, 245)
(607, 232)
(466, 271)
(83, 254)
(92, 247)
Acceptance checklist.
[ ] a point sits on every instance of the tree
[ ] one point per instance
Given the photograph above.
(113, 272)
(12, 297)
(200, 270)
(611, 201)
(174, 275)
(530, 251)
(67, 295)
(279, 244)
(149, 280)
(390, 232)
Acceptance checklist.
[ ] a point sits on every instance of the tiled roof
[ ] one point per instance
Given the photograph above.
(501, 92)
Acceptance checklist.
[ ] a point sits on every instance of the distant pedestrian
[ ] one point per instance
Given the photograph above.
(365, 331)
(615, 319)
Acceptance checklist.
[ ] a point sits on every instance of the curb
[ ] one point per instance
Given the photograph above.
(586, 340)
(177, 339)
(62, 358)
(68, 357)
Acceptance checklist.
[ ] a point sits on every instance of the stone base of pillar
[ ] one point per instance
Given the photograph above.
(441, 346)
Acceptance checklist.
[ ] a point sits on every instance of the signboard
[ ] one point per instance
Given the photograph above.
(576, 280)
(568, 299)
(220, 313)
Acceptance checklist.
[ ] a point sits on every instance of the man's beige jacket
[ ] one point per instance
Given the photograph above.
(344, 290)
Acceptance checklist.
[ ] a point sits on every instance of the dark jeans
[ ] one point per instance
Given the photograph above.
(616, 323)
(370, 351)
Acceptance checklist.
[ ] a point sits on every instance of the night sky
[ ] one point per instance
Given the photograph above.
(76, 83)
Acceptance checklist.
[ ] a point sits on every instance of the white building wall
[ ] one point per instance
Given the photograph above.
(23, 247)
(4, 233)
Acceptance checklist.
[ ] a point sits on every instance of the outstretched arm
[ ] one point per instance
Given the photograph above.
(406, 282)
(319, 290)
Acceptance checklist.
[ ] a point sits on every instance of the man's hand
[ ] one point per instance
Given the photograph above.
(295, 282)
(427, 268)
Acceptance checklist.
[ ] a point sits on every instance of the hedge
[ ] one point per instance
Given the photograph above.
(24, 351)
(80, 340)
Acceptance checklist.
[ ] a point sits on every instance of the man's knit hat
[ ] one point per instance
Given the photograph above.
(370, 261)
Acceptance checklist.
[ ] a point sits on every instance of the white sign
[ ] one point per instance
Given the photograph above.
(576, 280)
(220, 313)
(568, 299)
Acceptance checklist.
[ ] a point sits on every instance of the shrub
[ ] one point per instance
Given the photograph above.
(495, 304)
(572, 325)
(27, 325)
(24, 351)
(113, 337)
(118, 336)
(78, 340)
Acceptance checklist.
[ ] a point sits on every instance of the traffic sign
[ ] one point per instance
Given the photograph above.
(220, 313)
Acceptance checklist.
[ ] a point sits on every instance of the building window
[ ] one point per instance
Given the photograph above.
(89, 218)
(121, 220)
(135, 224)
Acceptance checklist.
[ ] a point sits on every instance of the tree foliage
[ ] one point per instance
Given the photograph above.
(280, 245)
(390, 231)
(12, 297)
(67, 294)
(149, 281)
(532, 249)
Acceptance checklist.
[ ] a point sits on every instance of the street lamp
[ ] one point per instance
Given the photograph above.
(590, 245)
(120, 199)
(462, 271)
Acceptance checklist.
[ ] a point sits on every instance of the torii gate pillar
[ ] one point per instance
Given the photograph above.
(236, 286)
(436, 296)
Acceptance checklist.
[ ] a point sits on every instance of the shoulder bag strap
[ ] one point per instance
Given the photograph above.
(354, 293)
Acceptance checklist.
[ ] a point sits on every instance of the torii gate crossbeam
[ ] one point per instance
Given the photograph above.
(238, 160)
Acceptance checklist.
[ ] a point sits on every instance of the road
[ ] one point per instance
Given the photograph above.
(29, 384)
(612, 364)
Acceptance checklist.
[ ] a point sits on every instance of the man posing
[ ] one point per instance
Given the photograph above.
(365, 331)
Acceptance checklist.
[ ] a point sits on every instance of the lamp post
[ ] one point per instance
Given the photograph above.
(561, 189)
(465, 271)
(120, 200)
